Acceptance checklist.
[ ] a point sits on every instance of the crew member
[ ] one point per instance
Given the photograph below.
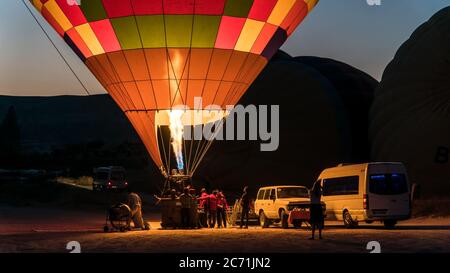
(245, 204)
(193, 223)
(135, 204)
(316, 213)
(222, 207)
(212, 211)
(185, 200)
(203, 208)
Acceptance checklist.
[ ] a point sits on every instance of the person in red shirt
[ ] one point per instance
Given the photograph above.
(203, 208)
(212, 209)
(222, 207)
(203, 199)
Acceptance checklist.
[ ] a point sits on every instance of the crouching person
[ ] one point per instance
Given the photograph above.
(135, 204)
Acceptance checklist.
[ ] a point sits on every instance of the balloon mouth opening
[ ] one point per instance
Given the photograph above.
(182, 139)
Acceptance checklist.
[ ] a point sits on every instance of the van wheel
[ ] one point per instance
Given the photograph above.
(348, 220)
(390, 223)
(263, 220)
(284, 219)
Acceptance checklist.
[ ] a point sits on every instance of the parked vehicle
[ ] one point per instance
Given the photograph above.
(109, 178)
(275, 204)
(368, 192)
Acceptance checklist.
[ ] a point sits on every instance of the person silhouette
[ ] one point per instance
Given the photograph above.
(245, 205)
(316, 213)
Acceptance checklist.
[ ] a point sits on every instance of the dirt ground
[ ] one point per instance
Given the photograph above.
(49, 230)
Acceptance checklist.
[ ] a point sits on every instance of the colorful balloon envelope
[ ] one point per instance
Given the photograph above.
(154, 55)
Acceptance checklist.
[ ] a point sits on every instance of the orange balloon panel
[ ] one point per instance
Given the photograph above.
(175, 76)
(144, 124)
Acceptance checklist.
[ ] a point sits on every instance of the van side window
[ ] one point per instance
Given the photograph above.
(261, 194)
(267, 195)
(348, 185)
(272, 194)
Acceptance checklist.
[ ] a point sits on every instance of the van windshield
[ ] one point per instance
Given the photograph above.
(117, 176)
(292, 192)
(102, 175)
(388, 184)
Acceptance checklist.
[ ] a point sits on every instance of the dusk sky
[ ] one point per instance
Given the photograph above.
(351, 31)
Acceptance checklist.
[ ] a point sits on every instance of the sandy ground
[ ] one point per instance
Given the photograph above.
(49, 230)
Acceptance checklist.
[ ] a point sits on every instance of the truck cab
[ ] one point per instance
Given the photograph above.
(274, 204)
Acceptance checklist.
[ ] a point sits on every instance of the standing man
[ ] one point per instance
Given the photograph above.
(222, 207)
(185, 200)
(193, 223)
(245, 204)
(203, 206)
(316, 212)
(212, 217)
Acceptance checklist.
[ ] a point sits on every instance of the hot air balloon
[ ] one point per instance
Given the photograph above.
(154, 55)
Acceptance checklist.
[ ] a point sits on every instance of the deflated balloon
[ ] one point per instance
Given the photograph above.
(410, 117)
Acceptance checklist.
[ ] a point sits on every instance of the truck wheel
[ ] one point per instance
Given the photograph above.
(284, 219)
(147, 226)
(389, 223)
(297, 223)
(348, 220)
(263, 220)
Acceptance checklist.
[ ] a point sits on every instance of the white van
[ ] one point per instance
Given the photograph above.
(366, 192)
(109, 178)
